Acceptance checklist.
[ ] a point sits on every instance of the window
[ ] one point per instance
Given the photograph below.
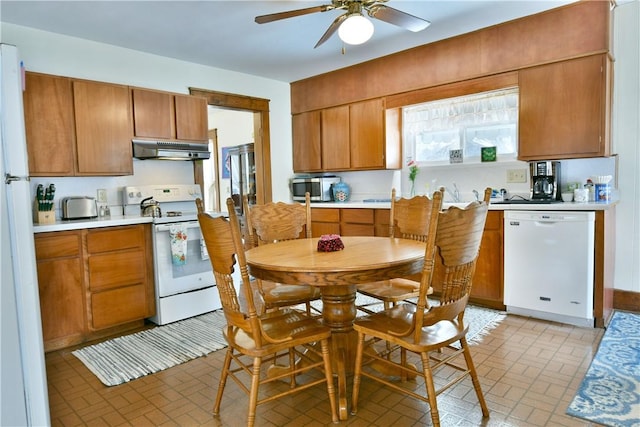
(468, 122)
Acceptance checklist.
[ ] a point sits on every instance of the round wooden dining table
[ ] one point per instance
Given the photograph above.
(364, 259)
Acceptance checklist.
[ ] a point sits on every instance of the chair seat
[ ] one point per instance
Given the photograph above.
(285, 327)
(398, 320)
(389, 292)
(394, 290)
(282, 295)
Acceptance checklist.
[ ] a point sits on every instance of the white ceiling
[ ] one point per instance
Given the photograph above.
(223, 34)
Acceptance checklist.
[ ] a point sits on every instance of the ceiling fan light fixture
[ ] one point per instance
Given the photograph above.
(356, 29)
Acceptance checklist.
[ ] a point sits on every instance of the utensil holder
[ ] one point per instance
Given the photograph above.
(46, 217)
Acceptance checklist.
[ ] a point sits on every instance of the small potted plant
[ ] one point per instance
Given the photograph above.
(413, 173)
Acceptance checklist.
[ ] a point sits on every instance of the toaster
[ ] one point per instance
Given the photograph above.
(79, 207)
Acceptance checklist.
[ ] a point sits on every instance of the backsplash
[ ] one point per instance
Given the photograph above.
(364, 185)
(145, 172)
(469, 177)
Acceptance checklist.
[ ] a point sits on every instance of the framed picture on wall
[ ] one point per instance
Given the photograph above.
(226, 163)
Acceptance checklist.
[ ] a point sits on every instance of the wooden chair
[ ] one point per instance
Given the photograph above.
(454, 238)
(271, 223)
(254, 339)
(408, 219)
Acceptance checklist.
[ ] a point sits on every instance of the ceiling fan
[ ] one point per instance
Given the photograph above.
(352, 26)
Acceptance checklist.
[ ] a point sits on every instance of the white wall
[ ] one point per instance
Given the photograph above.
(234, 128)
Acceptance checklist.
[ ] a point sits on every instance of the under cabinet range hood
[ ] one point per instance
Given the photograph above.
(170, 150)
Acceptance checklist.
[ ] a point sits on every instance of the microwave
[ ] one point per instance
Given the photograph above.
(319, 188)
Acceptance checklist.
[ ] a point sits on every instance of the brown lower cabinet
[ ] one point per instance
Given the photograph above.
(349, 221)
(93, 282)
(488, 280)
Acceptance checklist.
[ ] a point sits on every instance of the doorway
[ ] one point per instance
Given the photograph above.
(259, 108)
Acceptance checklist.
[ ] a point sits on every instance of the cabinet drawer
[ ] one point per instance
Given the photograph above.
(350, 229)
(57, 245)
(357, 216)
(320, 228)
(118, 306)
(325, 215)
(116, 269)
(115, 239)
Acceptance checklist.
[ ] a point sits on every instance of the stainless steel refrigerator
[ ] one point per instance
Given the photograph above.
(23, 389)
(243, 175)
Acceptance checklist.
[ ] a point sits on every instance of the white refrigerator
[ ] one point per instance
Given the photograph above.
(23, 384)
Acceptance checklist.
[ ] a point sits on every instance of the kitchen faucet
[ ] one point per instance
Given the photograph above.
(475, 193)
(455, 195)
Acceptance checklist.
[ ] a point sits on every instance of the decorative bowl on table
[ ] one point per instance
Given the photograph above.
(330, 243)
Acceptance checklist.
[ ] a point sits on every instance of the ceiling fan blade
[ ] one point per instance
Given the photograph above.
(332, 29)
(263, 19)
(397, 17)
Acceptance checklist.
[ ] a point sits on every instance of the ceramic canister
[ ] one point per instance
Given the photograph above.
(341, 192)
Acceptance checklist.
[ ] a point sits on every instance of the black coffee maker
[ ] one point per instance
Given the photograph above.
(545, 180)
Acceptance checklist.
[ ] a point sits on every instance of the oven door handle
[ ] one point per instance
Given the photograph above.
(167, 227)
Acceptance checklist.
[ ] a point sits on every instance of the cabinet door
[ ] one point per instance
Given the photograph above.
(49, 125)
(152, 114)
(335, 138)
(191, 118)
(357, 222)
(563, 110)
(366, 129)
(60, 284)
(103, 128)
(382, 220)
(488, 278)
(307, 146)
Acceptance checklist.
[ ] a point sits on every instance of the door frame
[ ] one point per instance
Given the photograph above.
(261, 131)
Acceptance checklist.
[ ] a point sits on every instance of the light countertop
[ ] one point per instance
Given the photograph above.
(561, 206)
(65, 225)
(77, 224)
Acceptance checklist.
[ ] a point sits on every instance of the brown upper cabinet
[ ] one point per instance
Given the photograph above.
(164, 115)
(307, 141)
(564, 109)
(346, 137)
(103, 128)
(77, 127)
(560, 60)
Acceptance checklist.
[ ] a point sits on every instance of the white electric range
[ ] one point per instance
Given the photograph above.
(184, 281)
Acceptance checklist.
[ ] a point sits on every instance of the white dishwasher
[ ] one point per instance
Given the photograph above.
(548, 265)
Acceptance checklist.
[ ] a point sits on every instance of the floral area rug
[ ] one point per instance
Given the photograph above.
(610, 391)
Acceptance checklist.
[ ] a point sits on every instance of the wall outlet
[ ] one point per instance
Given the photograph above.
(516, 175)
(102, 195)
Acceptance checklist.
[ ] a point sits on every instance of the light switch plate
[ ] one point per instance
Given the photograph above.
(516, 175)
(102, 195)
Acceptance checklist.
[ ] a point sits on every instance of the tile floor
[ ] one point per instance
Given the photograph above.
(529, 370)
